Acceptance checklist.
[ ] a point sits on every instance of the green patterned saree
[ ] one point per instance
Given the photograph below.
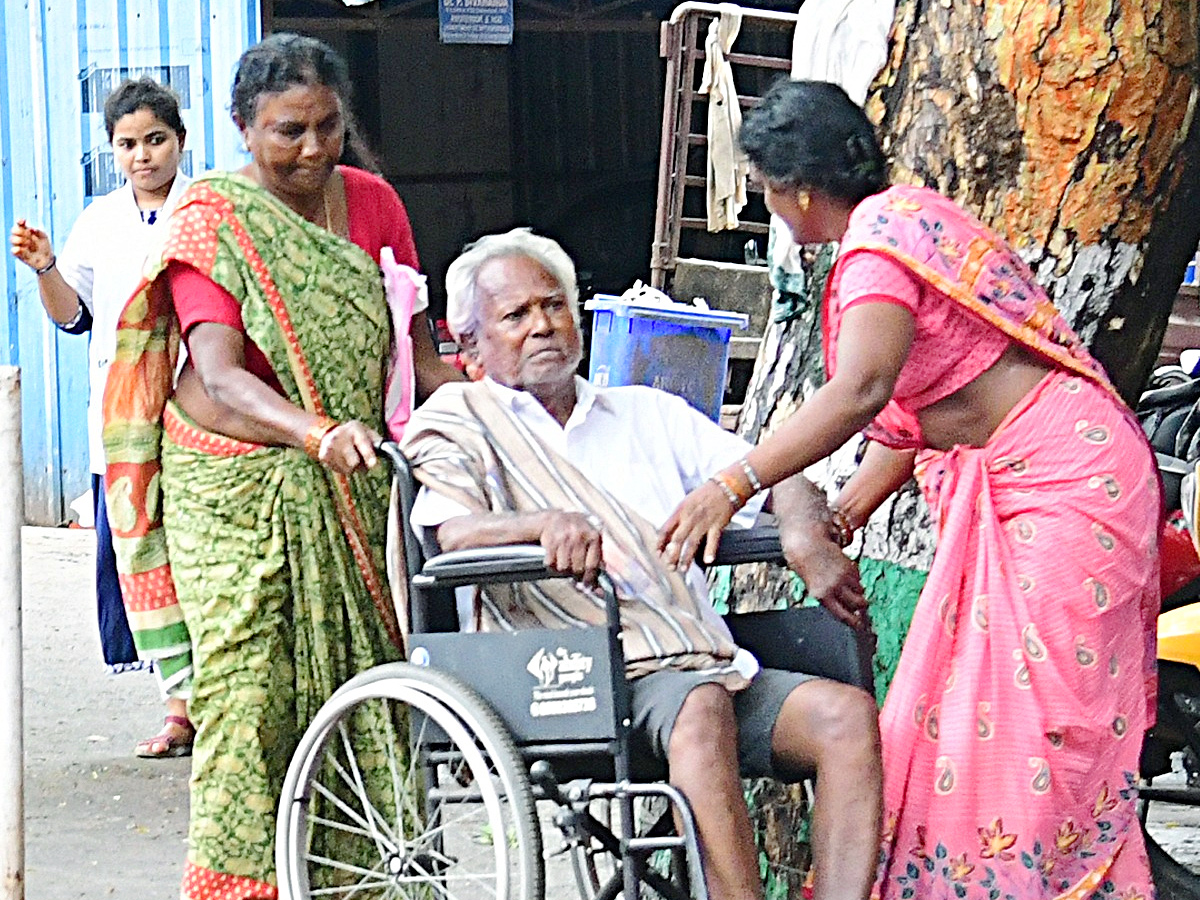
(272, 562)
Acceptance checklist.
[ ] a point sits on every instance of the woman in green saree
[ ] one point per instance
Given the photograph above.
(255, 476)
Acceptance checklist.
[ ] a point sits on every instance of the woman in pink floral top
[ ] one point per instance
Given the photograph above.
(1012, 730)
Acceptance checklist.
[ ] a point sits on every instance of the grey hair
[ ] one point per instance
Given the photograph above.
(462, 297)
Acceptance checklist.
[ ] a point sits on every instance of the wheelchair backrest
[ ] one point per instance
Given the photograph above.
(430, 610)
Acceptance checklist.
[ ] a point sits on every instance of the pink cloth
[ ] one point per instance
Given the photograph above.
(1012, 730)
(951, 345)
(402, 285)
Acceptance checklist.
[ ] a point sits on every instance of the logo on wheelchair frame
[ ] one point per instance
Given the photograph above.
(561, 688)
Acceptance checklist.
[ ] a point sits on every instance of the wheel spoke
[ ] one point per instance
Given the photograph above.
(342, 805)
(354, 781)
(376, 874)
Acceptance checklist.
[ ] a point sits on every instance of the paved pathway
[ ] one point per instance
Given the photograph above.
(99, 822)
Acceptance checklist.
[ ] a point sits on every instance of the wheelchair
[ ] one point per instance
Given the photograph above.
(498, 725)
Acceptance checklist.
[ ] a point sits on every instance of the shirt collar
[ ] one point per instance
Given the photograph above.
(178, 186)
(587, 397)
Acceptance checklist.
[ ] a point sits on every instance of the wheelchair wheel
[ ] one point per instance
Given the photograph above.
(444, 813)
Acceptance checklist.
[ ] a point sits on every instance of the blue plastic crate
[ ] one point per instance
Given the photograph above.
(677, 348)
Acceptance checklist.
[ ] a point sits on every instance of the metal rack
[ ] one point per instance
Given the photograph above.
(681, 43)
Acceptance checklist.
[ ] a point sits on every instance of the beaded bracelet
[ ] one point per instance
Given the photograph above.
(734, 493)
(751, 475)
(316, 433)
(728, 492)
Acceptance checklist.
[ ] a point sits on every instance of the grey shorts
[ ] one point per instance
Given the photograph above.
(657, 698)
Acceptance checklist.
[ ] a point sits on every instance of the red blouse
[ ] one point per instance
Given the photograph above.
(377, 219)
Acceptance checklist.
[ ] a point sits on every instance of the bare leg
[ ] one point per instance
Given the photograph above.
(834, 728)
(702, 758)
(177, 707)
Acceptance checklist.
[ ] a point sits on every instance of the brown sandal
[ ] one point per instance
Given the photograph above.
(175, 740)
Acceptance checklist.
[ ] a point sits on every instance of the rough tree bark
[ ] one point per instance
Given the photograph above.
(1068, 126)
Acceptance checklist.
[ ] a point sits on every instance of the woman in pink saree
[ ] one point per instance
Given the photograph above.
(1012, 730)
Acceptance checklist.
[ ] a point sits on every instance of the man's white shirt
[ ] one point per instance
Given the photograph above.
(645, 447)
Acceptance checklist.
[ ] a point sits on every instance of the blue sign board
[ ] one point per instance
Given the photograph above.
(475, 21)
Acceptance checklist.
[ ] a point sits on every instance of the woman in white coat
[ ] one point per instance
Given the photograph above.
(83, 289)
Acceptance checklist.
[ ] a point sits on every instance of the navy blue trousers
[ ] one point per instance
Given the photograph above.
(116, 640)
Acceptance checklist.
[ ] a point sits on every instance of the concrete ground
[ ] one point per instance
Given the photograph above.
(99, 821)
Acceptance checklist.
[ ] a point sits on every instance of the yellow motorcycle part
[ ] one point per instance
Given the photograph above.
(1179, 635)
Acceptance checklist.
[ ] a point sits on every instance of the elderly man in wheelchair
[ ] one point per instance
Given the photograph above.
(533, 454)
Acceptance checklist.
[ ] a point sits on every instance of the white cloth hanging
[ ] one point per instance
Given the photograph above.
(843, 41)
(728, 169)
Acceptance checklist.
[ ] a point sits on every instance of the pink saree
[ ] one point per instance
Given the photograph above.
(1012, 730)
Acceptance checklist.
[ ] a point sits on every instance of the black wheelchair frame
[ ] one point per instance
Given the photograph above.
(563, 736)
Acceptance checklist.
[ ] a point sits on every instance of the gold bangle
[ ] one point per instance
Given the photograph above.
(843, 526)
(316, 433)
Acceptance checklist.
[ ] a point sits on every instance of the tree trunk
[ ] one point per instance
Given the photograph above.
(1068, 127)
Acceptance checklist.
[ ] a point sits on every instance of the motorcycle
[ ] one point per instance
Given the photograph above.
(1169, 792)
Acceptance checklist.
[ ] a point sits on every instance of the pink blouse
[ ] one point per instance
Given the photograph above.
(951, 346)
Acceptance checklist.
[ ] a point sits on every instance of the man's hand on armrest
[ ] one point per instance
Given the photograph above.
(808, 536)
(572, 540)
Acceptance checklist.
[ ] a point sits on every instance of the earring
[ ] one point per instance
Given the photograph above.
(803, 200)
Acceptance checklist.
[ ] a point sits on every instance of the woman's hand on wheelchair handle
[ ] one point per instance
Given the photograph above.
(350, 447)
(697, 521)
(828, 574)
(573, 544)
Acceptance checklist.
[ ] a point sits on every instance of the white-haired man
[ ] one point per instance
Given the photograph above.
(534, 454)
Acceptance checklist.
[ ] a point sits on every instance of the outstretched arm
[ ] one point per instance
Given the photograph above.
(250, 410)
(872, 347)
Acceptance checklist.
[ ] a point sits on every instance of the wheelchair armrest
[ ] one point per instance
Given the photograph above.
(527, 562)
(486, 565)
(746, 545)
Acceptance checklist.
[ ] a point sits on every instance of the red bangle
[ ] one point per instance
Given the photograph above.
(316, 433)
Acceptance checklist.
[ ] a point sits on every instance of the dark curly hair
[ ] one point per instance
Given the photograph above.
(284, 60)
(811, 134)
(143, 93)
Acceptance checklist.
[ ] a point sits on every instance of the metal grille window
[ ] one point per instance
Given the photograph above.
(98, 82)
(100, 174)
